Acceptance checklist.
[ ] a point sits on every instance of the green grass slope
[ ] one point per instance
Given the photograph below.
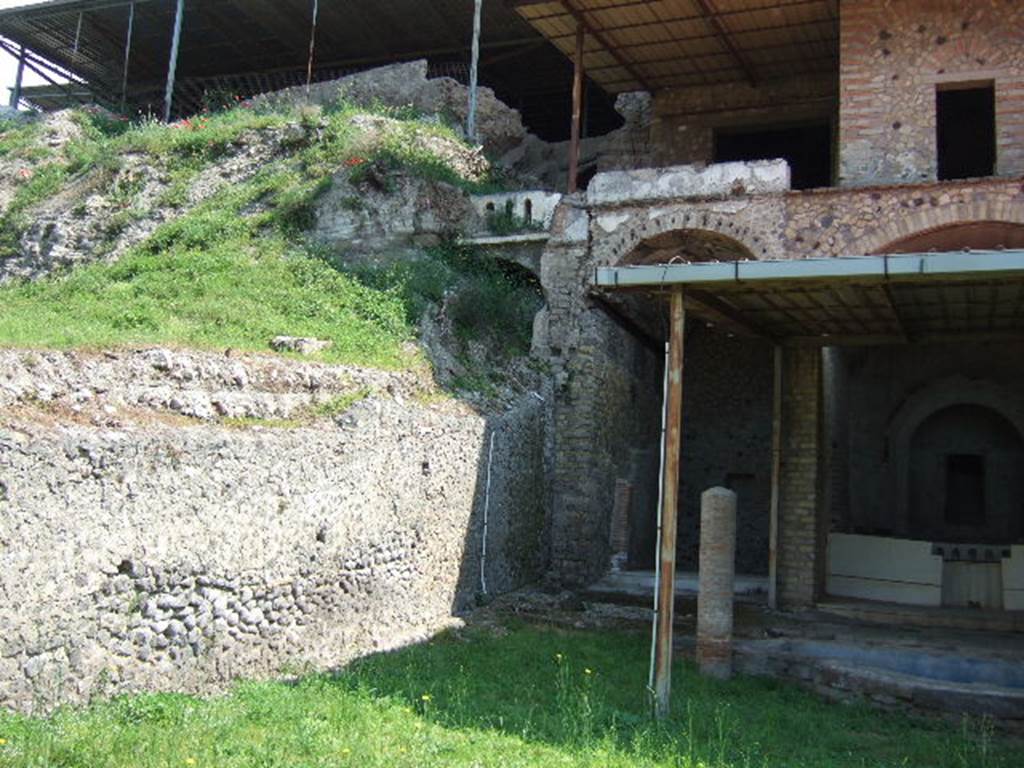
(237, 270)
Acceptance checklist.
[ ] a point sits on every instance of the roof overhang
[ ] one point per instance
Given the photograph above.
(867, 300)
(655, 44)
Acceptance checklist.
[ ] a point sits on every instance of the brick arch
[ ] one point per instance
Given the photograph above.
(633, 234)
(932, 218)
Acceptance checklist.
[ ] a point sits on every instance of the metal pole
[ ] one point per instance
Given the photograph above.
(127, 56)
(16, 91)
(474, 72)
(172, 65)
(661, 503)
(670, 510)
(577, 109)
(773, 525)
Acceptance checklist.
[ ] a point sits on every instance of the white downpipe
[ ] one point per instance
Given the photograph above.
(487, 510)
(661, 502)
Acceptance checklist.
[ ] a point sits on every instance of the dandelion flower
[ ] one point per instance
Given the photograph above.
(190, 761)
(426, 697)
(2, 742)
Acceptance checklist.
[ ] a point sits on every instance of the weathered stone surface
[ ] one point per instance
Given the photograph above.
(406, 85)
(301, 345)
(717, 582)
(200, 385)
(155, 557)
(689, 181)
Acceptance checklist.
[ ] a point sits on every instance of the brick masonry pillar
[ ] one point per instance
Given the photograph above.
(802, 529)
(717, 582)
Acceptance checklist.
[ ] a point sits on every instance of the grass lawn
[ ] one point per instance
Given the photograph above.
(526, 697)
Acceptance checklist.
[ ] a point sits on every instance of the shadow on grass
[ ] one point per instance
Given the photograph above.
(587, 692)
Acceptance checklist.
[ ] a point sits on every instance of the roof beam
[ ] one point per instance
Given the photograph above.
(598, 35)
(710, 307)
(711, 15)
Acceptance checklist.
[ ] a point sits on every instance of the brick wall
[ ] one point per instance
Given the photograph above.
(685, 119)
(800, 549)
(893, 56)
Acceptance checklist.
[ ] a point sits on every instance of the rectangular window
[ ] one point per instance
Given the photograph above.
(966, 131)
(965, 489)
(807, 149)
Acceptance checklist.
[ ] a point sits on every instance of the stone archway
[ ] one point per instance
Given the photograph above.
(953, 227)
(924, 405)
(974, 235)
(698, 235)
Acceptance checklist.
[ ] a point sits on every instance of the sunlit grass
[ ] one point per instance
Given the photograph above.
(528, 697)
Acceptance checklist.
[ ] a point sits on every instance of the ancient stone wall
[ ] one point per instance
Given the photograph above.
(685, 119)
(632, 218)
(162, 555)
(727, 434)
(894, 54)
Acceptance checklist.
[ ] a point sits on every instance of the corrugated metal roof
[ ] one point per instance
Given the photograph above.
(634, 45)
(871, 300)
(237, 39)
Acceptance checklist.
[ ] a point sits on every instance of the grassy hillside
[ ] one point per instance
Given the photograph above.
(237, 269)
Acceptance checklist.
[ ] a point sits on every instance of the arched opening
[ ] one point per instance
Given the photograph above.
(688, 245)
(727, 416)
(975, 235)
(965, 461)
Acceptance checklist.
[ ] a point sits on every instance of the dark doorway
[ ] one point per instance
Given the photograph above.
(965, 489)
(966, 132)
(807, 149)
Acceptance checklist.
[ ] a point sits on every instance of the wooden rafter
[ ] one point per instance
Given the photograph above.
(598, 35)
(711, 15)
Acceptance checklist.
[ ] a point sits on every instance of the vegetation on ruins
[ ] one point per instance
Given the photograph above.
(507, 695)
(237, 268)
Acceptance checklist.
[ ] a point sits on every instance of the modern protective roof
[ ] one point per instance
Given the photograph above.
(868, 300)
(251, 46)
(635, 45)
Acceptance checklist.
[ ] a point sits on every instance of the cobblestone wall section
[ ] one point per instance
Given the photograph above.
(155, 557)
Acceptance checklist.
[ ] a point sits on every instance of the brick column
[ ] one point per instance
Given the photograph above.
(801, 551)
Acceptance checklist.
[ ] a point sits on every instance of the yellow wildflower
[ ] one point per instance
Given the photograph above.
(190, 761)
(588, 671)
(2, 742)
(426, 697)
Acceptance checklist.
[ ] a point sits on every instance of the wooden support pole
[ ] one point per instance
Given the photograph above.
(172, 66)
(577, 110)
(312, 47)
(474, 72)
(127, 57)
(18, 78)
(773, 524)
(669, 509)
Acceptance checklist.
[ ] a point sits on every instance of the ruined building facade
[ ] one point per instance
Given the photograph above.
(902, 427)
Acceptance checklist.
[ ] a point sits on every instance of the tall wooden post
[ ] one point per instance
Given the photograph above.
(172, 67)
(669, 509)
(577, 111)
(773, 524)
(474, 73)
(18, 78)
